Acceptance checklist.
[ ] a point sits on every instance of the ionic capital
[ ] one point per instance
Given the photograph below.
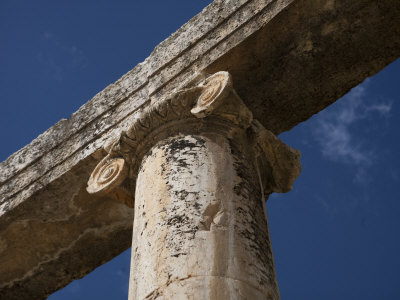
(209, 106)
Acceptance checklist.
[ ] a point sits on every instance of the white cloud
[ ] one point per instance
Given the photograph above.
(335, 128)
(47, 35)
(329, 209)
(57, 56)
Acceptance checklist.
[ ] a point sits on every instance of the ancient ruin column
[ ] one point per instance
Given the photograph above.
(202, 170)
(199, 226)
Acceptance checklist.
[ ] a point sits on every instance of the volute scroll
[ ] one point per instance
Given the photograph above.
(107, 175)
(193, 102)
(212, 100)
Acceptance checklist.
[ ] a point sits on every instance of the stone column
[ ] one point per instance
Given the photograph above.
(202, 170)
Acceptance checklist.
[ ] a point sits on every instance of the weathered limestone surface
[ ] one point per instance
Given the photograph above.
(202, 168)
(200, 232)
(288, 58)
(200, 228)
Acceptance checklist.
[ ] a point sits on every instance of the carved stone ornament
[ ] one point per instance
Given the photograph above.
(216, 87)
(213, 100)
(107, 175)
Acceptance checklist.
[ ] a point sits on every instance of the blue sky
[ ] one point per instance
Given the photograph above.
(336, 235)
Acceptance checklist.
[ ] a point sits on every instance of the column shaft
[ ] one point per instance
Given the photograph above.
(200, 230)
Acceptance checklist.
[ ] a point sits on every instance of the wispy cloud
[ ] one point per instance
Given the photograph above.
(58, 56)
(329, 209)
(336, 129)
(123, 275)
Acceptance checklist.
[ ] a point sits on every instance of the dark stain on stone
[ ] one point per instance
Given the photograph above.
(252, 226)
(181, 145)
(196, 205)
(182, 194)
(182, 163)
(180, 219)
(178, 254)
(178, 144)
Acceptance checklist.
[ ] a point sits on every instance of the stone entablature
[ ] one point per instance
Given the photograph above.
(198, 169)
(289, 60)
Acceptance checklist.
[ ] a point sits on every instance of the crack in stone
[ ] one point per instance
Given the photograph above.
(32, 271)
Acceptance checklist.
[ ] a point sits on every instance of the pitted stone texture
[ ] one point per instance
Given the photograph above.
(222, 288)
(289, 59)
(310, 55)
(200, 230)
(59, 235)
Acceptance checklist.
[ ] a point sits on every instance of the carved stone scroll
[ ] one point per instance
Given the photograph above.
(185, 105)
(208, 98)
(201, 165)
(216, 88)
(107, 175)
